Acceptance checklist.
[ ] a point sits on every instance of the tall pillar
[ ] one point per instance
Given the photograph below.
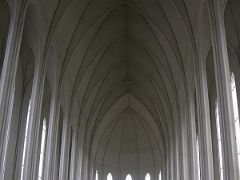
(215, 138)
(8, 76)
(73, 154)
(58, 145)
(172, 164)
(51, 136)
(222, 74)
(176, 156)
(80, 156)
(20, 133)
(184, 151)
(192, 135)
(204, 123)
(34, 124)
(65, 147)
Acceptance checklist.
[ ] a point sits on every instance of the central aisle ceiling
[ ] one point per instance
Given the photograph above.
(121, 62)
(122, 67)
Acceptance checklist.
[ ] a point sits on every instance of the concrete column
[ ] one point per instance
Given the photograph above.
(80, 158)
(9, 70)
(64, 149)
(204, 123)
(214, 138)
(13, 131)
(192, 135)
(20, 133)
(84, 165)
(222, 74)
(73, 155)
(171, 159)
(32, 144)
(187, 139)
(58, 146)
(51, 136)
(56, 164)
(176, 159)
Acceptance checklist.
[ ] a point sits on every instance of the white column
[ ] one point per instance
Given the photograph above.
(8, 76)
(215, 138)
(51, 136)
(57, 147)
(32, 143)
(176, 159)
(20, 133)
(184, 157)
(73, 155)
(204, 123)
(222, 74)
(64, 149)
(80, 156)
(192, 151)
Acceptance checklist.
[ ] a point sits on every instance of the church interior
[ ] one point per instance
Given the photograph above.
(119, 89)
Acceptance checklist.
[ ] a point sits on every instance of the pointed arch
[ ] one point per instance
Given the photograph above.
(96, 175)
(160, 175)
(109, 176)
(147, 177)
(129, 177)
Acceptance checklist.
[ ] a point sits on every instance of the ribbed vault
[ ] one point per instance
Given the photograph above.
(127, 87)
(123, 62)
(128, 145)
(118, 56)
(125, 74)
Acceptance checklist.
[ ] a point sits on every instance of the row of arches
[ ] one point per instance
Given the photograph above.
(128, 176)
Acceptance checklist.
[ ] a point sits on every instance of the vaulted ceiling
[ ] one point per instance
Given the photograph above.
(124, 69)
